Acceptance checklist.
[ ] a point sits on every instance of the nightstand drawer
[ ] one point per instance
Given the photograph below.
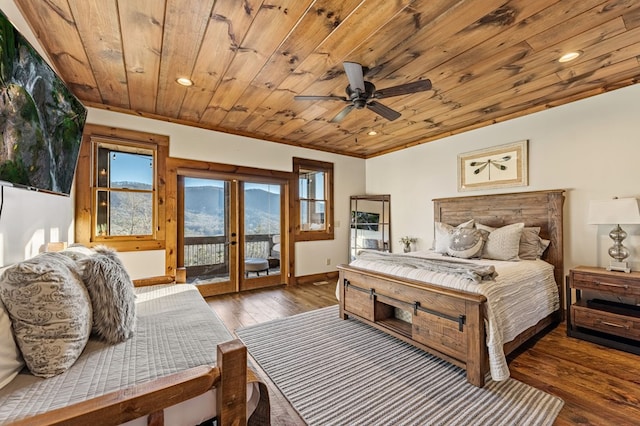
(607, 322)
(620, 285)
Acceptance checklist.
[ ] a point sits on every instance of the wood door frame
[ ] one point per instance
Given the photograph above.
(177, 165)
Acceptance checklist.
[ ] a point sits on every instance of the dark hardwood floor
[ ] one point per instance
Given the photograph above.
(600, 386)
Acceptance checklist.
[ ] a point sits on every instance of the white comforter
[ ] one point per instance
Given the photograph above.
(522, 294)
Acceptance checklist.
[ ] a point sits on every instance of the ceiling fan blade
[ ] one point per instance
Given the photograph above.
(355, 75)
(342, 114)
(319, 98)
(383, 110)
(403, 89)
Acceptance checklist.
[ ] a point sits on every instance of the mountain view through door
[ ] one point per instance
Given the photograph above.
(209, 232)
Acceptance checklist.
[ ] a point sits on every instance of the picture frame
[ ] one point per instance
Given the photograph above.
(495, 167)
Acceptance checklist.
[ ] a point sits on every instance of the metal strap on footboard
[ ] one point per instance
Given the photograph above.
(370, 291)
(460, 319)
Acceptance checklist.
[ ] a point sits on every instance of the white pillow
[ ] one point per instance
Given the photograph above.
(502, 243)
(443, 232)
(10, 359)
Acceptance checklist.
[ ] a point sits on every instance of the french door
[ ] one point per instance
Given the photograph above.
(230, 231)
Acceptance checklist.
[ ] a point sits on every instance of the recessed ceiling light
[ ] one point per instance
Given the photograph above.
(569, 56)
(184, 81)
(372, 133)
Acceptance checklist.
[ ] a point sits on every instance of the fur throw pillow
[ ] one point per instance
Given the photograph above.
(112, 296)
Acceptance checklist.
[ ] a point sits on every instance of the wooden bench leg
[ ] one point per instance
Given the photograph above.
(231, 393)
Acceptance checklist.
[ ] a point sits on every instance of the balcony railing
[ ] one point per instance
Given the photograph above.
(210, 255)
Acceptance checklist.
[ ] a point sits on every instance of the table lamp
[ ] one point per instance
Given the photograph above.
(615, 212)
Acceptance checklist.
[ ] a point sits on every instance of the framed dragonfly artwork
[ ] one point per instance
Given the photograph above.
(495, 167)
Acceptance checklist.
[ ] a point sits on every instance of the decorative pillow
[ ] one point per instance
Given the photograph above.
(529, 243)
(112, 296)
(77, 251)
(466, 243)
(443, 232)
(50, 311)
(543, 246)
(502, 243)
(10, 359)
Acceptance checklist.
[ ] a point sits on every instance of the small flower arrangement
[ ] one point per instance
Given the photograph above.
(408, 240)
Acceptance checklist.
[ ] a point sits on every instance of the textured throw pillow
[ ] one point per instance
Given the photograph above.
(112, 295)
(543, 246)
(77, 251)
(529, 243)
(10, 359)
(466, 243)
(50, 311)
(443, 232)
(502, 243)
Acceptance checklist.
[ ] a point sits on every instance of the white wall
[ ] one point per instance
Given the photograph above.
(590, 148)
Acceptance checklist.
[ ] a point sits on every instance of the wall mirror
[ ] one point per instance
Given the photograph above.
(370, 223)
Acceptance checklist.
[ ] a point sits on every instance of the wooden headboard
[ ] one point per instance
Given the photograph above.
(537, 208)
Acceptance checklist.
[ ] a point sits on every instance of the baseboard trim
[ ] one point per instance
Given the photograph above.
(308, 279)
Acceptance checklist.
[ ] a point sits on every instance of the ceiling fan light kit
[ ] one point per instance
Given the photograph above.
(362, 94)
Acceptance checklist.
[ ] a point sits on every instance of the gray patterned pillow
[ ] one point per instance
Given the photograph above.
(443, 233)
(50, 311)
(112, 295)
(466, 243)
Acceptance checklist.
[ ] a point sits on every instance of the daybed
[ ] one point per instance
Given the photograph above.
(179, 366)
(455, 323)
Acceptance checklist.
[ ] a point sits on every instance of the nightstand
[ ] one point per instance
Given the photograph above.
(605, 309)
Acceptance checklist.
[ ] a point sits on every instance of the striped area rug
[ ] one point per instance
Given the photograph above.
(337, 372)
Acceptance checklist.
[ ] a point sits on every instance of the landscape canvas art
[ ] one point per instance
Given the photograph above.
(495, 167)
(41, 121)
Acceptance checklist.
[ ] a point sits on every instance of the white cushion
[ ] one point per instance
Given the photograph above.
(10, 358)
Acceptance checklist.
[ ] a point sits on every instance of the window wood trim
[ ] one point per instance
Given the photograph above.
(312, 235)
(84, 209)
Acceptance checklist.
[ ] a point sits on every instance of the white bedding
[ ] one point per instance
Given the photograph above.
(523, 293)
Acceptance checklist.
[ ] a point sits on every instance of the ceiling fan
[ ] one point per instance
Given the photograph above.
(363, 94)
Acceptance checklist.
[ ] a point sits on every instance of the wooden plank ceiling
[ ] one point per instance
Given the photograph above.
(488, 61)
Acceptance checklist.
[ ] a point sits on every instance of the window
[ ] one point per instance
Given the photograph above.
(119, 198)
(313, 213)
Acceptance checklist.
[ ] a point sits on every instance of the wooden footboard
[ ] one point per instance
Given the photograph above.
(229, 377)
(444, 322)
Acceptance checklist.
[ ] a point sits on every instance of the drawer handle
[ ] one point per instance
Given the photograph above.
(625, 286)
(611, 324)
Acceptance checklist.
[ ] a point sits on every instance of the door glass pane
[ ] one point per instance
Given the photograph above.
(206, 230)
(261, 229)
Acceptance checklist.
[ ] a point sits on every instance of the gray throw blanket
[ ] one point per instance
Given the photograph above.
(471, 271)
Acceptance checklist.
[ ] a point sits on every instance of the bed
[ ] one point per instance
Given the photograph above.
(181, 367)
(456, 323)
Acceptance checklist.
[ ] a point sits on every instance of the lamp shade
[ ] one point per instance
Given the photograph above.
(617, 211)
